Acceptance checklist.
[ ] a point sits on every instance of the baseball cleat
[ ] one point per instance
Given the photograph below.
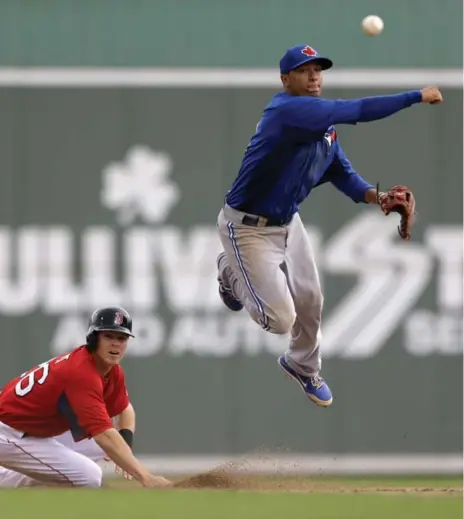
(314, 387)
(225, 291)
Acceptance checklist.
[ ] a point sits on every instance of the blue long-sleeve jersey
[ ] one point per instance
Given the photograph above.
(295, 149)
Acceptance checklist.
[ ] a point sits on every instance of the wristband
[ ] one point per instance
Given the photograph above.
(128, 436)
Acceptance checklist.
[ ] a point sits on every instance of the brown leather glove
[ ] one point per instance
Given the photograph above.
(399, 199)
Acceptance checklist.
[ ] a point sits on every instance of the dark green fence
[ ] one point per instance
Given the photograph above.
(111, 196)
(218, 33)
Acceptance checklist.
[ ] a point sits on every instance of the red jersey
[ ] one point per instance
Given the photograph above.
(64, 393)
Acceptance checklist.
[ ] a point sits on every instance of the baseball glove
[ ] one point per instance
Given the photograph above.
(399, 199)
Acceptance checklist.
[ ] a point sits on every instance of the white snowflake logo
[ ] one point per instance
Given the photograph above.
(140, 186)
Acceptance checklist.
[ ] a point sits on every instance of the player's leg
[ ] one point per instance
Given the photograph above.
(249, 271)
(46, 461)
(12, 479)
(88, 447)
(302, 361)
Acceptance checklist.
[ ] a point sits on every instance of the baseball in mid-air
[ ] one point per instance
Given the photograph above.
(372, 25)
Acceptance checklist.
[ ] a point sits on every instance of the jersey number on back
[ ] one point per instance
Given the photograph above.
(28, 380)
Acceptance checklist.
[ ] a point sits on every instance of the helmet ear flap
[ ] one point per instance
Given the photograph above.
(92, 341)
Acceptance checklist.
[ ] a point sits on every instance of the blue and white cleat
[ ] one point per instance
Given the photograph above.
(225, 291)
(314, 387)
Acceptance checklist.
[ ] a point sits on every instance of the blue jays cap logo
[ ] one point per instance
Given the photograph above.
(308, 51)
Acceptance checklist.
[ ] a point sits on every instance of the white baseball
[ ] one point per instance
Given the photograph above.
(372, 25)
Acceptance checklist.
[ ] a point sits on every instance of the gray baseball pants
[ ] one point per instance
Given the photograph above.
(272, 271)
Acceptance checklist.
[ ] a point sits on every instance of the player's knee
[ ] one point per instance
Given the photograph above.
(282, 323)
(91, 477)
(95, 476)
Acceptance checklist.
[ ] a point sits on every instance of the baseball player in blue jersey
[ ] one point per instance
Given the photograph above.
(268, 265)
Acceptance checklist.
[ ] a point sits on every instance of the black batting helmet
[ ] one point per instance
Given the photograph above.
(113, 318)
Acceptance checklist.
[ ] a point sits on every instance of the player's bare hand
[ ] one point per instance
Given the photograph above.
(123, 473)
(152, 481)
(431, 95)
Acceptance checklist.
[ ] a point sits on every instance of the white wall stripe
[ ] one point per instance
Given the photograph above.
(221, 78)
(315, 465)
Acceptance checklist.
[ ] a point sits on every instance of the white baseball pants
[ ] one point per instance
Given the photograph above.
(26, 462)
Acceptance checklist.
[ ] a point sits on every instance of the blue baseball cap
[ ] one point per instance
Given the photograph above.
(300, 54)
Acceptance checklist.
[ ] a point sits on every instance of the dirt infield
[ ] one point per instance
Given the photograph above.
(219, 479)
(236, 476)
(241, 475)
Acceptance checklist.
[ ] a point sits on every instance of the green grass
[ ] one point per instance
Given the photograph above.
(361, 500)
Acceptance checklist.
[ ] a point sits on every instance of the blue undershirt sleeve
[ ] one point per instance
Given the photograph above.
(316, 114)
(343, 176)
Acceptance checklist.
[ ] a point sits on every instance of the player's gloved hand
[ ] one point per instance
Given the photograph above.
(431, 95)
(399, 199)
(152, 481)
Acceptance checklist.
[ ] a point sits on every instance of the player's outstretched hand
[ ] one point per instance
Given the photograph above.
(431, 95)
(153, 481)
